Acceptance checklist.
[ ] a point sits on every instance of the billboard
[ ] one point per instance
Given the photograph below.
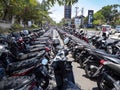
(77, 23)
(67, 12)
(90, 18)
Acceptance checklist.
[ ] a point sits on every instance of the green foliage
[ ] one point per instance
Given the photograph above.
(109, 13)
(62, 2)
(98, 18)
(34, 26)
(16, 26)
(62, 22)
(29, 10)
(118, 21)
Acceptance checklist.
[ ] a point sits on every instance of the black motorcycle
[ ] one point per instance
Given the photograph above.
(20, 83)
(109, 78)
(63, 71)
(93, 65)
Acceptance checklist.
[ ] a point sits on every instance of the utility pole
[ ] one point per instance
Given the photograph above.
(82, 21)
(76, 19)
(76, 11)
(82, 11)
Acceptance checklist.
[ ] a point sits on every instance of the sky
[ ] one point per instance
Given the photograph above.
(58, 11)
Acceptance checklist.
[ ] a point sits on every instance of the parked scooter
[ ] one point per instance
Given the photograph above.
(93, 66)
(109, 78)
(63, 71)
(20, 83)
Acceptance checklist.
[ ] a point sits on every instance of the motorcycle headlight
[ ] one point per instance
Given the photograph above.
(1, 49)
(44, 61)
(66, 40)
(103, 41)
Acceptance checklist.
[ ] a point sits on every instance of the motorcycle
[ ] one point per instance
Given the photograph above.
(93, 66)
(109, 78)
(63, 71)
(35, 66)
(20, 83)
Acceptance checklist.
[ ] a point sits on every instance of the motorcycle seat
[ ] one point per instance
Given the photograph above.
(22, 64)
(102, 52)
(27, 56)
(113, 43)
(37, 49)
(112, 59)
(59, 47)
(42, 38)
(40, 54)
(36, 46)
(115, 67)
(16, 82)
(22, 72)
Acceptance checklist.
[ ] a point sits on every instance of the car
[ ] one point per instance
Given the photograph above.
(117, 28)
(106, 28)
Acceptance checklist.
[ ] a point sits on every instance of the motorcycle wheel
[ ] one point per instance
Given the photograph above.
(102, 84)
(43, 82)
(76, 57)
(80, 63)
(89, 70)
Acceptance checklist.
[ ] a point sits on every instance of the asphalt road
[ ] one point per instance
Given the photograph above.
(79, 74)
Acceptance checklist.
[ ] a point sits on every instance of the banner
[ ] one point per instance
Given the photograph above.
(90, 18)
(67, 12)
(77, 23)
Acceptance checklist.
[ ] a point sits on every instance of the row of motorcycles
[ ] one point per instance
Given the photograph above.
(24, 58)
(28, 59)
(99, 58)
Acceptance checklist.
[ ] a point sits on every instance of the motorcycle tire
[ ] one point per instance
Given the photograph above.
(90, 71)
(102, 84)
(76, 57)
(43, 82)
(80, 63)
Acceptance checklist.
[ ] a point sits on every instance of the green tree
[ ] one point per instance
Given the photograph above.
(108, 14)
(61, 2)
(98, 18)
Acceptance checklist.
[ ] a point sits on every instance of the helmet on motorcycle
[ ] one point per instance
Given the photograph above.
(81, 31)
(25, 32)
(20, 55)
(66, 41)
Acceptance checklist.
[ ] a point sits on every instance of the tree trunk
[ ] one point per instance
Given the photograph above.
(5, 14)
(5, 10)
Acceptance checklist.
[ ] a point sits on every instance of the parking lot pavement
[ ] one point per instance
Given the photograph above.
(80, 78)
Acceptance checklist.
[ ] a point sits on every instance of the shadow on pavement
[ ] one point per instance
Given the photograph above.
(95, 88)
(92, 79)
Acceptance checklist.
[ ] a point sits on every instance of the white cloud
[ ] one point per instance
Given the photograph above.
(57, 13)
(57, 16)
